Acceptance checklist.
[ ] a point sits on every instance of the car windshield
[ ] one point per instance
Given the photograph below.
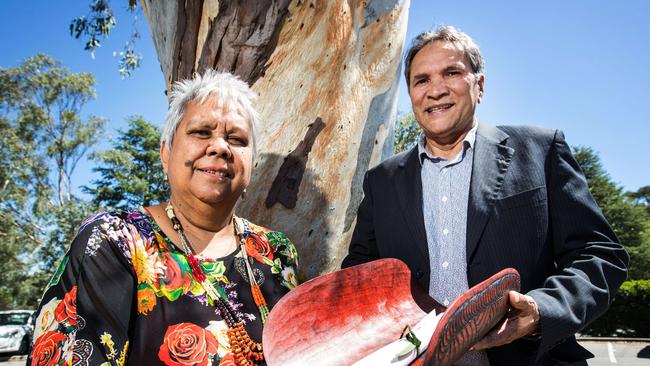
(14, 318)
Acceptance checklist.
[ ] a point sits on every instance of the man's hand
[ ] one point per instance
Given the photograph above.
(521, 321)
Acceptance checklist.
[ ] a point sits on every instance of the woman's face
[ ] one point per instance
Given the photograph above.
(210, 158)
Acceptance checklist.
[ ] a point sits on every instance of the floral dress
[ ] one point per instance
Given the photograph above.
(124, 294)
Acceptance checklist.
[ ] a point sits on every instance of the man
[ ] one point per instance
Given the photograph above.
(471, 199)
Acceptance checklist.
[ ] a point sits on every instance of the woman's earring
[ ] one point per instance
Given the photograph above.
(165, 183)
(243, 194)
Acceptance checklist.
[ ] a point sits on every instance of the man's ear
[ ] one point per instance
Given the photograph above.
(164, 155)
(481, 82)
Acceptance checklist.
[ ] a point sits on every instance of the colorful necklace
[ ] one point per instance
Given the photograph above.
(245, 351)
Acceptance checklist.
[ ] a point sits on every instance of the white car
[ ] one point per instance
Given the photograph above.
(16, 329)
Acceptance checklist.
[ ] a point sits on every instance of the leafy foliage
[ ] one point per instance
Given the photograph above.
(630, 221)
(628, 315)
(46, 100)
(43, 139)
(641, 197)
(131, 172)
(98, 24)
(406, 133)
(129, 59)
(19, 231)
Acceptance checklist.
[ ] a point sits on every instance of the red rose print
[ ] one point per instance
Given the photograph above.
(258, 246)
(187, 344)
(66, 311)
(174, 277)
(47, 349)
(228, 360)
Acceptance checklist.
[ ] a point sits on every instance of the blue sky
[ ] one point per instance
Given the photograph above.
(581, 66)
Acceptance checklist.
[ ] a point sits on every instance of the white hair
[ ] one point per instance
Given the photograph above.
(227, 88)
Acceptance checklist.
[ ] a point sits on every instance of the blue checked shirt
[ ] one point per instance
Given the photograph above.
(445, 195)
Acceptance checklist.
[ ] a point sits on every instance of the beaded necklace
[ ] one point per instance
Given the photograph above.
(245, 351)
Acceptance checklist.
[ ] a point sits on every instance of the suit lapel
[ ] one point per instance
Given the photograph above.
(491, 161)
(410, 199)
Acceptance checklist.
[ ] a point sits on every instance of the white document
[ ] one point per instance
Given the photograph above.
(388, 355)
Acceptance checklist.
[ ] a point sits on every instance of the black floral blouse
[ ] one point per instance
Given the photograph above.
(124, 294)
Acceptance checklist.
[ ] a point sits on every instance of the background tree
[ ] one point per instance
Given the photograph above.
(641, 197)
(97, 25)
(630, 222)
(44, 137)
(131, 173)
(46, 100)
(641, 254)
(19, 232)
(406, 133)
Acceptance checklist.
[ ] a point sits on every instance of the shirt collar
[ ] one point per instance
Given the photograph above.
(423, 153)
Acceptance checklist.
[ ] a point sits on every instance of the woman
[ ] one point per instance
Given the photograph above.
(185, 282)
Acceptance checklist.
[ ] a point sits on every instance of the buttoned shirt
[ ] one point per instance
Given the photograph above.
(445, 196)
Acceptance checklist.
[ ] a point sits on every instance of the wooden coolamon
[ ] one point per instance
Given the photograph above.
(326, 73)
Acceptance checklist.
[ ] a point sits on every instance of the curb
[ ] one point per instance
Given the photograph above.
(613, 339)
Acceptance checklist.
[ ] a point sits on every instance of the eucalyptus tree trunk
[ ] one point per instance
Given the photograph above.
(327, 74)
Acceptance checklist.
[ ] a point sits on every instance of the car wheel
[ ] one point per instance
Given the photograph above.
(25, 346)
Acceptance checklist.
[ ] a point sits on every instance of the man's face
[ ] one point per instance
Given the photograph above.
(444, 91)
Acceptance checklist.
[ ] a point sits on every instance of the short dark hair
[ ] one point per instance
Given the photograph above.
(447, 34)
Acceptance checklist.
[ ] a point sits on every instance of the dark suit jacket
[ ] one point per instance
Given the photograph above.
(529, 209)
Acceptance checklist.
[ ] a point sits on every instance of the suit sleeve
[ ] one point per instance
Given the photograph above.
(85, 312)
(363, 246)
(590, 263)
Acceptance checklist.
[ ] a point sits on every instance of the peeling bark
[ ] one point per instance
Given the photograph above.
(243, 37)
(187, 30)
(238, 37)
(286, 184)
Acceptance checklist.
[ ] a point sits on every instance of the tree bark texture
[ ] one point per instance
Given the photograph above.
(327, 74)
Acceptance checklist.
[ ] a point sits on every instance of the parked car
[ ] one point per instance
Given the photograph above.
(16, 330)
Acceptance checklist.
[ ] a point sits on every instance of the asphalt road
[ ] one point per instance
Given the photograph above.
(618, 353)
(607, 353)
